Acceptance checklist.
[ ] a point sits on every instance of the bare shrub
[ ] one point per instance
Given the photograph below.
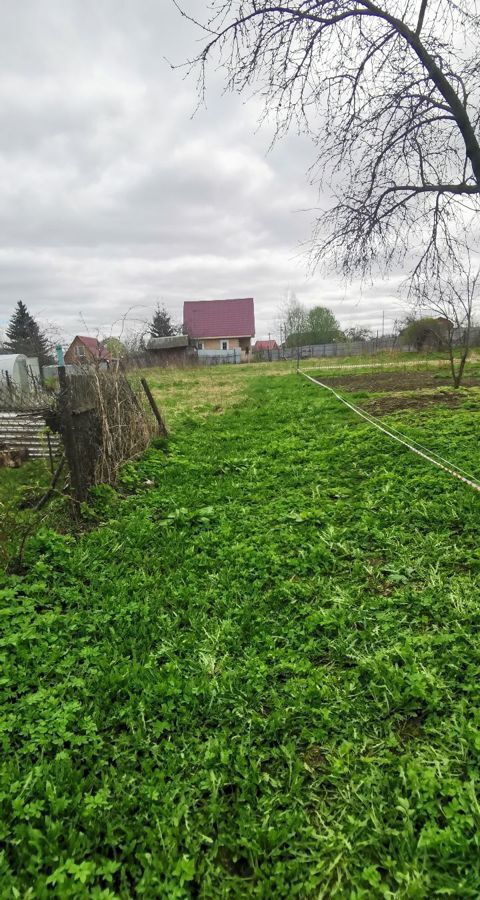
(126, 423)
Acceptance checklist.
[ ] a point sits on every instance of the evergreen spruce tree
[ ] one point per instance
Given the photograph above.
(161, 324)
(23, 335)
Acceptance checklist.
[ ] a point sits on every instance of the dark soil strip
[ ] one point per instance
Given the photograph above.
(392, 381)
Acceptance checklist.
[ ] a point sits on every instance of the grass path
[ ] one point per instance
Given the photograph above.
(257, 676)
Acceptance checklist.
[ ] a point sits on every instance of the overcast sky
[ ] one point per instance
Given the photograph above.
(114, 195)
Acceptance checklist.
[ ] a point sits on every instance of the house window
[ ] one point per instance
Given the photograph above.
(224, 345)
(79, 350)
(199, 345)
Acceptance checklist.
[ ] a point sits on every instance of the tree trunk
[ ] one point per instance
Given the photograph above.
(459, 376)
(452, 365)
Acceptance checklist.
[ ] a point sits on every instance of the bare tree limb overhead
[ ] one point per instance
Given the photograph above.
(389, 92)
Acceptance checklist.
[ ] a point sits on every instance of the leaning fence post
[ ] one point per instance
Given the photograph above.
(156, 412)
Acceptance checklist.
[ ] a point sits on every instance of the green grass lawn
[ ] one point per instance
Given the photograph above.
(210, 390)
(257, 675)
(16, 485)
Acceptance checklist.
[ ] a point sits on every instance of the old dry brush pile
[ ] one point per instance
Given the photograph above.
(127, 424)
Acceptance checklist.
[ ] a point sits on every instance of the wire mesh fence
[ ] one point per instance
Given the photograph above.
(33, 396)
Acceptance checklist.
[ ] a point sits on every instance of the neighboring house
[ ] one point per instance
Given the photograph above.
(220, 326)
(265, 351)
(84, 351)
(260, 346)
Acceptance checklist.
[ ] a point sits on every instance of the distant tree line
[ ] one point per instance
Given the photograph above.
(24, 335)
(300, 326)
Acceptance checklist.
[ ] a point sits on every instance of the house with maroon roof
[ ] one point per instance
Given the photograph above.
(84, 351)
(266, 350)
(260, 346)
(220, 325)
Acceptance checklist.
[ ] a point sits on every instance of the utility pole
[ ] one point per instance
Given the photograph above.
(383, 323)
(269, 349)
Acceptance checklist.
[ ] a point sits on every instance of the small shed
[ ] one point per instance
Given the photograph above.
(14, 372)
(169, 350)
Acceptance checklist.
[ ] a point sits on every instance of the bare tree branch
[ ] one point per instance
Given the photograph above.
(421, 16)
(390, 93)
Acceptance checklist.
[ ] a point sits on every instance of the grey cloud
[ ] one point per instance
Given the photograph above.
(112, 195)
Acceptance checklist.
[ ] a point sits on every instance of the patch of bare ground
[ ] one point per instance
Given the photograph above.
(405, 390)
(380, 382)
(382, 406)
(411, 728)
(315, 758)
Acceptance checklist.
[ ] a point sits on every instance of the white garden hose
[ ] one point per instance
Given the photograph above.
(445, 465)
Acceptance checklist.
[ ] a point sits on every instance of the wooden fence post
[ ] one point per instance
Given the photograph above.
(68, 434)
(156, 412)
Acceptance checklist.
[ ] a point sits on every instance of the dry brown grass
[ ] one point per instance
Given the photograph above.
(201, 392)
